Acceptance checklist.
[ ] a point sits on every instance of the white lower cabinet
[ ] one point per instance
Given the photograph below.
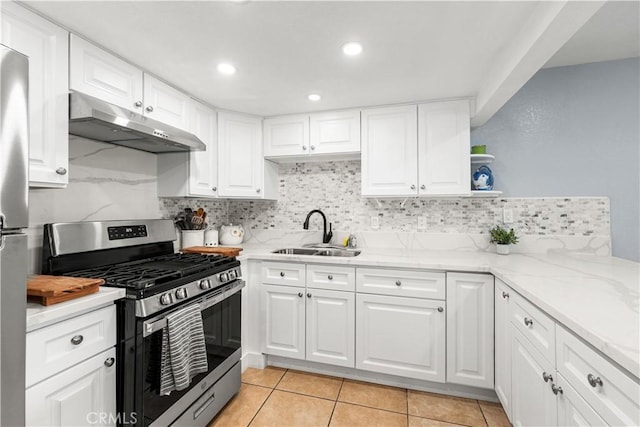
(80, 396)
(331, 327)
(533, 401)
(313, 324)
(284, 321)
(502, 345)
(401, 336)
(470, 329)
(573, 410)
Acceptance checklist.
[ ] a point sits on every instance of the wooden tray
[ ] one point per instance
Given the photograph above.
(48, 290)
(221, 250)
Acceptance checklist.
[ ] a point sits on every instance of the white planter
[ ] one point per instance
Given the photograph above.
(502, 249)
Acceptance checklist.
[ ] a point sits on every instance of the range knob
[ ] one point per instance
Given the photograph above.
(224, 277)
(181, 293)
(166, 299)
(232, 274)
(205, 284)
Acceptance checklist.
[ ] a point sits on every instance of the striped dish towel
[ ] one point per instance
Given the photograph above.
(183, 350)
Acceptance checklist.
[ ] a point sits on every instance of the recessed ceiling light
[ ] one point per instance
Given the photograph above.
(227, 69)
(314, 97)
(352, 48)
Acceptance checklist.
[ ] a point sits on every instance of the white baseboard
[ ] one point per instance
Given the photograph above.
(253, 360)
(385, 379)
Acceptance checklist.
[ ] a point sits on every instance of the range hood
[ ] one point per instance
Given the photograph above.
(93, 118)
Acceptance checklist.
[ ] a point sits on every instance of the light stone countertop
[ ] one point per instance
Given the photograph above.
(39, 316)
(595, 297)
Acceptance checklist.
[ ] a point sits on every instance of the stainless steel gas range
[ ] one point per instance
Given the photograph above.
(138, 255)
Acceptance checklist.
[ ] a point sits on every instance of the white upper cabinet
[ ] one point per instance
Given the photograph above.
(193, 174)
(99, 74)
(165, 103)
(302, 137)
(443, 148)
(416, 153)
(286, 136)
(47, 47)
(335, 132)
(102, 75)
(389, 151)
(242, 170)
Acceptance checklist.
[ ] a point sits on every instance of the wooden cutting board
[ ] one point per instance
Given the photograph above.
(221, 250)
(48, 290)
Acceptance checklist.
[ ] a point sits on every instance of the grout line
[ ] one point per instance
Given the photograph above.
(335, 403)
(265, 400)
(486, 423)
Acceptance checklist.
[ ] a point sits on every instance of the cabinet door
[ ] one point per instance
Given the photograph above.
(470, 329)
(47, 47)
(533, 402)
(401, 336)
(443, 148)
(389, 151)
(503, 345)
(283, 321)
(203, 165)
(165, 103)
(241, 168)
(286, 136)
(335, 132)
(82, 395)
(97, 73)
(331, 327)
(573, 410)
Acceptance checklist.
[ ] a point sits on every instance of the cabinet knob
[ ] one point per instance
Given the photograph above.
(505, 295)
(300, 294)
(440, 309)
(398, 283)
(61, 171)
(423, 187)
(528, 322)
(149, 108)
(547, 377)
(594, 381)
(308, 295)
(556, 390)
(304, 148)
(257, 190)
(76, 340)
(109, 362)
(413, 187)
(282, 274)
(138, 104)
(330, 277)
(313, 147)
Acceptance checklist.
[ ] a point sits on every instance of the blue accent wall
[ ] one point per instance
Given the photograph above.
(574, 131)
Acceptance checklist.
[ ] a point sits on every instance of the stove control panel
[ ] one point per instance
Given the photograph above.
(127, 232)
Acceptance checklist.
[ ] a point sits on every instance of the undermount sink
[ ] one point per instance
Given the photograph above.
(318, 252)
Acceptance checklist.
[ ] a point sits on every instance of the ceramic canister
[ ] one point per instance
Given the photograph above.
(192, 238)
(211, 237)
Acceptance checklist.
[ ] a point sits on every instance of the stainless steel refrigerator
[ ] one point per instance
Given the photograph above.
(14, 192)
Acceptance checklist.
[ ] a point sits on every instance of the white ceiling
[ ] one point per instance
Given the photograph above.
(284, 50)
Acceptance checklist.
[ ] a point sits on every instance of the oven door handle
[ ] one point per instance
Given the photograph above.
(155, 324)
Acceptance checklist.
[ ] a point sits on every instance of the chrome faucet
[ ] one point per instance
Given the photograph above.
(326, 237)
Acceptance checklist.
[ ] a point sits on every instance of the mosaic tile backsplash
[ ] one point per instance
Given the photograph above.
(334, 187)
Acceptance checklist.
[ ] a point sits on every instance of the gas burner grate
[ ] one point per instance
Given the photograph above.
(155, 271)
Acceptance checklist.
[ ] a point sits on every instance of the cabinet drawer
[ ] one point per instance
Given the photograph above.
(51, 349)
(331, 277)
(535, 325)
(613, 395)
(408, 283)
(283, 273)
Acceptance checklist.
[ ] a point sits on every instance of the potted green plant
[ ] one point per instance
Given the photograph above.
(503, 238)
